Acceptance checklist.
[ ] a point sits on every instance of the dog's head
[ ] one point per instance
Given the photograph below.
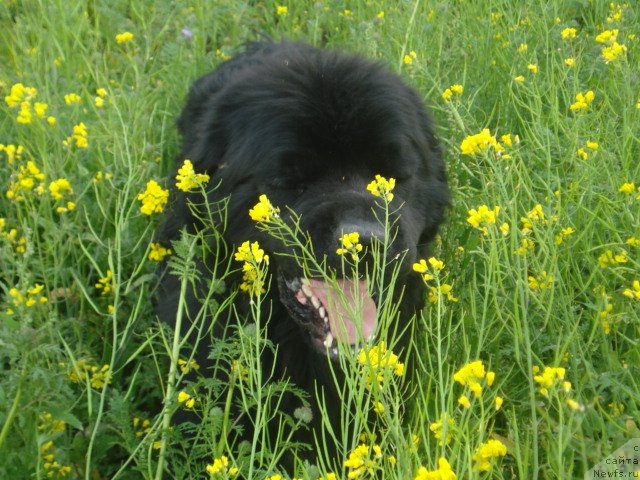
(311, 129)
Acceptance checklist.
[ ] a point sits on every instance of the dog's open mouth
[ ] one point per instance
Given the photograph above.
(344, 313)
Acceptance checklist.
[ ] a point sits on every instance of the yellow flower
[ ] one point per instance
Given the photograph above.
(608, 36)
(72, 98)
(478, 142)
(281, 10)
(608, 258)
(550, 377)
(186, 400)
(634, 291)
(575, 406)
(78, 136)
(105, 283)
(570, 61)
(519, 79)
(564, 233)
(628, 187)
(188, 179)
(378, 407)
(220, 464)
(437, 429)
(568, 33)
(451, 91)
(158, 252)
(379, 363)
(350, 244)
(124, 37)
(533, 68)
(443, 291)
(523, 47)
(464, 401)
(444, 472)
(408, 59)
(613, 52)
(583, 100)
(504, 229)
(486, 452)
(363, 460)
(498, 402)
(58, 187)
(263, 211)
(153, 198)
(100, 377)
(382, 187)
(481, 218)
(541, 282)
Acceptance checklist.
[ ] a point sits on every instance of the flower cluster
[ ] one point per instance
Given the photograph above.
(26, 179)
(583, 100)
(379, 363)
(158, 252)
(186, 400)
(486, 452)
(22, 97)
(101, 93)
(263, 211)
(350, 243)
(105, 284)
(471, 375)
(254, 258)
(78, 137)
(444, 290)
(477, 143)
(58, 189)
(551, 379)
(83, 370)
(188, 366)
(188, 179)
(633, 292)
(11, 237)
(51, 466)
(363, 460)
(13, 152)
(443, 472)
(630, 188)
(451, 91)
(153, 198)
(442, 429)
(589, 147)
(33, 296)
(481, 218)
(72, 99)
(382, 187)
(220, 465)
(124, 37)
(609, 259)
(612, 49)
(544, 281)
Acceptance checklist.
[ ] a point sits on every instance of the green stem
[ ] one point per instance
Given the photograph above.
(12, 414)
(171, 380)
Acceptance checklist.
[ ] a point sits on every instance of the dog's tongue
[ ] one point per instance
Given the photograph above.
(345, 309)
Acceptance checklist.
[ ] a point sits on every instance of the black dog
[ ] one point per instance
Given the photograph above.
(310, 128)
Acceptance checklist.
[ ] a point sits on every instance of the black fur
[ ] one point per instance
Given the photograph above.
(310, 128)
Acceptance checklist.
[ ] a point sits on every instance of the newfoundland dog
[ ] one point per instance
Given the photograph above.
(310, 128)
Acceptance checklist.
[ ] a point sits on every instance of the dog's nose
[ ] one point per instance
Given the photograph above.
(368, 230)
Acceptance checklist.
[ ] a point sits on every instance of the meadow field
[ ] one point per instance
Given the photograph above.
(528, 350)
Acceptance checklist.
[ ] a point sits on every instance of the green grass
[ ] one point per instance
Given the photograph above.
(52, 350)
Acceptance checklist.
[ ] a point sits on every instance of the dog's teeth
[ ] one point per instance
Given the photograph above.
(301, 297)
(328, 340)
(322, 312)
(306, 288)
(315, 302)
(305, 281)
